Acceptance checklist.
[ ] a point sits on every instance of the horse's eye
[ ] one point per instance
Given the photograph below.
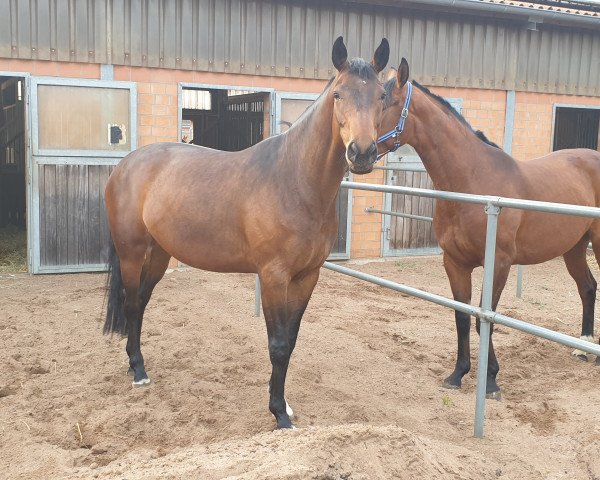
(382, 97)
(336, 95)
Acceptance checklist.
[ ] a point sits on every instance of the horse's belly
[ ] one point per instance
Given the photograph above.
(209, 245)
(544, 236)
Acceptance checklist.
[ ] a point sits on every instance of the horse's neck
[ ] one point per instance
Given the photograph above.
(313, 155)
(453, 156)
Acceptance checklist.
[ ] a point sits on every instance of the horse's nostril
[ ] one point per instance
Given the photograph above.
(353, 148)
(372, 149)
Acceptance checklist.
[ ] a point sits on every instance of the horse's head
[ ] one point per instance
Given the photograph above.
(358, 103)
(396, 107)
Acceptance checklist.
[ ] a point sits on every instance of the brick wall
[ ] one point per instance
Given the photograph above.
(484, 109)
(157, 113)
(366, 227)
(532, 134)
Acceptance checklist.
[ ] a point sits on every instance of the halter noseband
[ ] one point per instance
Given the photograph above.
(395, 134)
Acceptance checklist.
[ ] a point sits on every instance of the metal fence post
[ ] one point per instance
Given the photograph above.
(257, 297)
(519, 281)
(492, 212)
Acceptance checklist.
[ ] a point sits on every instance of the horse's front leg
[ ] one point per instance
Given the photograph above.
(460, 283)
(284, 303)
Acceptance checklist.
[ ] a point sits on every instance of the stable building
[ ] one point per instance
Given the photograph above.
(84, 83)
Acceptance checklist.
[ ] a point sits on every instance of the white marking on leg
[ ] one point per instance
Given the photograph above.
(288, 409)
(141, 383)
(581, 353)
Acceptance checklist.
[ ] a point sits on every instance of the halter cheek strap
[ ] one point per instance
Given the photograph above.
(395, 134)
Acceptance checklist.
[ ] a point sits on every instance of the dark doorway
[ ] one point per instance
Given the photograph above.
(223, 119)
(13, 233)
(576, 128)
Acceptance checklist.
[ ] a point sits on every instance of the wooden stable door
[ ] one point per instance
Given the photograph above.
(80, 131)
(407, 236)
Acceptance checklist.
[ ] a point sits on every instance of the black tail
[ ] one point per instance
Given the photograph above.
(115, 313)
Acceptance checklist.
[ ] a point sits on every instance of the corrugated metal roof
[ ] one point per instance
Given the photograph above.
(562, 12)
(574, 8)
(294, 40)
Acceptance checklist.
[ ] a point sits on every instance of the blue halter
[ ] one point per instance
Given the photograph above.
(395, 134)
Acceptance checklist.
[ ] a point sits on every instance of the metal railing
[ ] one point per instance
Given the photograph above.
(493, 206)
(411, 216)
(399, 214)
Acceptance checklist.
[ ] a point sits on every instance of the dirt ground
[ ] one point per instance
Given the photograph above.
(365, 383)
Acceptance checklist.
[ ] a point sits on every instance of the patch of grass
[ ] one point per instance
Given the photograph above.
(537, 302)
(402, 265)
(447, 401)
(13, 250)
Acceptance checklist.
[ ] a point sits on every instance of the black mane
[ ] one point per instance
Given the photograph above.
(481, 136)
(389, 87)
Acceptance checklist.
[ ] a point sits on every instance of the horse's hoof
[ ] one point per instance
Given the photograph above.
(579, 355)
(286, 426)
(497, 395)
(141, 383)
(450, 386)
(284, 423)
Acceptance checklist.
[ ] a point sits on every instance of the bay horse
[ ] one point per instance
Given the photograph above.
(459, 159)
(269, 209)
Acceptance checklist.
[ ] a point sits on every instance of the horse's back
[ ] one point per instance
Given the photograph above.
(564, 176)
(208, 208)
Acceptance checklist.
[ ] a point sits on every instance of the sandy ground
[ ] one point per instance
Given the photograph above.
(365, 382)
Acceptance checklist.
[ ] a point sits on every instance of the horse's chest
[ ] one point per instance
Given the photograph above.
(460, 232)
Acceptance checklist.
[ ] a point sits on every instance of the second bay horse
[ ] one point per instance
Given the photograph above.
(269, 209)
(459, 159)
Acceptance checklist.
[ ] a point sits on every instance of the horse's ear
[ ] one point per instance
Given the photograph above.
(402, 73)
(382, 55)
(339, 55)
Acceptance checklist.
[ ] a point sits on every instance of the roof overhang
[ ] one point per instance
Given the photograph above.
(527, 13)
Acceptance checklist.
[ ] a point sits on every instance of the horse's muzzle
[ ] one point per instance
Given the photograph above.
(361, 162)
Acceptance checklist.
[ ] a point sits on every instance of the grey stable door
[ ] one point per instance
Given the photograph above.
(80, 130)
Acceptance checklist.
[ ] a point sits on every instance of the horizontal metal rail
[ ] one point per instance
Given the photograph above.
(493, 206)
(401, 168)
(548, 207)
(399, 214)
(485, 313)
(488, 315)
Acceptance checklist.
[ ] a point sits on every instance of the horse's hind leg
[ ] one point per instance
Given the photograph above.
(501, 271)
(137, 296)
(576, 262)
(595, 239)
